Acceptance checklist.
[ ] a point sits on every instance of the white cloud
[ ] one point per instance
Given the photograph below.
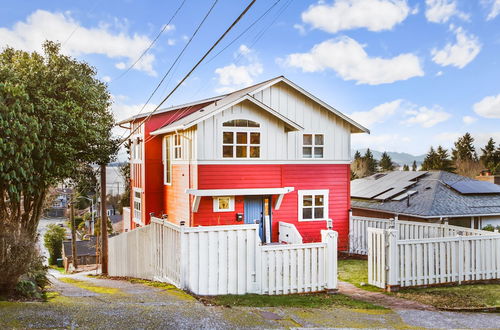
(232, 76)
(106, 79)
(426, 117)
(374, 15)
(42, 25)
(390, 142)
(439, 73)
(123, 111)
(351, 62)
(170, 28)
(495, 10)
(121, 65)
(378, 114)
(488, 107)
(469, 120)
(171, 42)
(459, 54)
(440, 11)
(300, 28)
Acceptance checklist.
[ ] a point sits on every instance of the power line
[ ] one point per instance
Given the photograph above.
(152, 43)
(194, 67)
(173, 64)
(258, 36)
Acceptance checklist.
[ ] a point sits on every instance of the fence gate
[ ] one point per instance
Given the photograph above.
(377, 268)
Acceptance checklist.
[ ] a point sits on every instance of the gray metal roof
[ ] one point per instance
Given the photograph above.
(83, 248)
(434, 196)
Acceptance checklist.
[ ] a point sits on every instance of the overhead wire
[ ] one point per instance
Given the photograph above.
(152, 42)
(173, 64)
(242, 14)
(256, 39)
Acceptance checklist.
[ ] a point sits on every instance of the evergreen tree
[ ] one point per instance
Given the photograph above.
(406, 167)
(386, 163)
(357, 155)
(414, 166)
(491, 157)
(464, 149)
(442, 160)
(371, 162)
(430, 160)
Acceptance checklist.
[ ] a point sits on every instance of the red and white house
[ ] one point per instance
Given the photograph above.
(265, 154)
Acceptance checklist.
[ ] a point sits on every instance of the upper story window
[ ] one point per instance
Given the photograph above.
(241, 139)
(167, 160)
(177, 147)
(136, 149)
(313, 145)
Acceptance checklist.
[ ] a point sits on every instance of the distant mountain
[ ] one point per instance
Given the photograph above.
(400, 158)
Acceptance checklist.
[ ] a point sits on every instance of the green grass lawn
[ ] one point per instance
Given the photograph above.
(463, 296)
(355, 272)
(59, 269)
(294, 300)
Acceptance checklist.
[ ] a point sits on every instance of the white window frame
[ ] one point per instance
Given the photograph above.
(177, 146)
(324, 192)
(247, 130)
(216, 204)
(138, 200)
(136, 148)
(312, 146)
(167, 160)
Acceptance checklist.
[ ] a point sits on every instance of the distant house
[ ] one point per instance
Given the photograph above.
(488, 177)
(269, 153)
(86, 251)
(427, 196)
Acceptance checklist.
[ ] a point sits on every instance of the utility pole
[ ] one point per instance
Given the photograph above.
(104, 223)
(73, 232)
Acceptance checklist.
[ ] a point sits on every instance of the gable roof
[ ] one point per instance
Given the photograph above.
(216, 104)
(431, 196)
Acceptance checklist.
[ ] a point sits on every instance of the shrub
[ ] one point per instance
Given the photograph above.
(53, 239)
(490, 227)
(32, 284)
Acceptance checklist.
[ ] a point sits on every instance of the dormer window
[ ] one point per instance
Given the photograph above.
(312, 145)
(241, 139)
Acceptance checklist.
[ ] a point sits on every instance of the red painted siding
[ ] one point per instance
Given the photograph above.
(301, 177)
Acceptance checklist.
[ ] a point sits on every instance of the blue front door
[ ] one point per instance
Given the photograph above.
(253, 211)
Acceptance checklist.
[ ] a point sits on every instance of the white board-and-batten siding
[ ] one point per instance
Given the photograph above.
(277, 143)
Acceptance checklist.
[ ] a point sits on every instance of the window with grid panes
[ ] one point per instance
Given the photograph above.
(312, 145)
(241, 139)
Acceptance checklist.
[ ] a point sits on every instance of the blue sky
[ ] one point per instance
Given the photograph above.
(417, 73)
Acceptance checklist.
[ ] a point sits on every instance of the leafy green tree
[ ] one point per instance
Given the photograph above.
(371, 163)
(406, 167)
(414, 166)
(54, 118)
(386, 163)
(53, 239)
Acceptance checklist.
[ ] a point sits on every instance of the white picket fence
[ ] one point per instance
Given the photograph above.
(358, 233)
(395, 262)
(219, 260)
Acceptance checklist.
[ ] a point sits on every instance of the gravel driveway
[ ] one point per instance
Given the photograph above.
(93, 303)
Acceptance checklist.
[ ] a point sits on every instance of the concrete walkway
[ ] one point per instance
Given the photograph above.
(92, 303)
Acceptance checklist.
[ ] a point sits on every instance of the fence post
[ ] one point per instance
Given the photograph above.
(351, 232)
(184, 258)
(392, 261)
(460, 258)
(330, 238)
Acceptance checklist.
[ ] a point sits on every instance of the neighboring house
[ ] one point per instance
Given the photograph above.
(116, 219)
(488, 177)
(59, 206)
(267, 153)
(86, 252)
(427, 196)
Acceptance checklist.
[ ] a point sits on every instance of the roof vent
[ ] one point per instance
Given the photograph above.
(428, 188)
